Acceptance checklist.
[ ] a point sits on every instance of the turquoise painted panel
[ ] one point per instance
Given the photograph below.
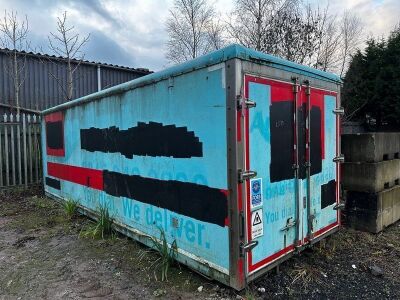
(278, 197)
(327, 215)
(196, 101)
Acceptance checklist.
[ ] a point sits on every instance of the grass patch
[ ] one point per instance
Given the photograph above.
(327, 248)
(70, 208)
(167, 254)
(305, 275)
(102, 228)
(250, 294)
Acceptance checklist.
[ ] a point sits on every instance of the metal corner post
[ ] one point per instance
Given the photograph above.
(233, 77)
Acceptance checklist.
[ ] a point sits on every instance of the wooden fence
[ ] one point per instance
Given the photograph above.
(20, 158)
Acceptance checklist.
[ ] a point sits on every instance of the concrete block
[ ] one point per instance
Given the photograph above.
(370, 177)
(371, 147)
(373, 211)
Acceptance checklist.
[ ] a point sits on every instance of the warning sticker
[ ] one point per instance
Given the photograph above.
(256, 192)
(257, 228)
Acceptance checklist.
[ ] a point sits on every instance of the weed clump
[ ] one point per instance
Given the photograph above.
(70, 208)
(101, 228)
(168, 254)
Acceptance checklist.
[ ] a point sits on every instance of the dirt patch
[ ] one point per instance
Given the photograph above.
(21, 242)
(43, 257)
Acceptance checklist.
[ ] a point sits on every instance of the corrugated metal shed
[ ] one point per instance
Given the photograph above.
(44, 79)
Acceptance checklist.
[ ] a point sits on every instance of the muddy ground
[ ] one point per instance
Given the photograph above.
(42, 256)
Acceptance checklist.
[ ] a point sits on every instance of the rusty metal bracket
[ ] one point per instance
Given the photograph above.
(246, 175)
(339, 206)
(247, 247)
(338, 111)
(338, 159)
(289, 224)
(245, 103)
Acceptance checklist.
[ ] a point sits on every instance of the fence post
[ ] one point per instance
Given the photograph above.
(19, 148)
(13, 169)
(36, 148)
(1, 159)
(20, 163)
(6, 151)
(24, 144)
(30, 148)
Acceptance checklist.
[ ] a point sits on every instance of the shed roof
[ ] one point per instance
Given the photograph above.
(76, 61)
(224, 54)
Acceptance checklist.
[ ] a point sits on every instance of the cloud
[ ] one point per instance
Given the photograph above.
(378, 16)
(132, 32)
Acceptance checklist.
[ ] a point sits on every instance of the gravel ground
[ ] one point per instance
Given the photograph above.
(43, 257)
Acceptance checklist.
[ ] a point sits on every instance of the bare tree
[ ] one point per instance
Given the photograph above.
(68, 44)
(327, 54)
(285, 28)
(351, 30)
(297, 32)
(191, 30)
(15, 37)
(215, 31)
(251, 22)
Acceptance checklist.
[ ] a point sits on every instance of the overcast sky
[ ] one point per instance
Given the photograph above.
(132, 33)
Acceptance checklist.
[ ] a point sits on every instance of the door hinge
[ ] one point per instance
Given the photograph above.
(338, 159)
(241, 225)
(245, 103)
(338, 111)
(247, 247)
(339, 206)
(245, 175)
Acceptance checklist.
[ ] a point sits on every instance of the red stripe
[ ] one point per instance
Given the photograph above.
(83, 176)
(338, 173)
(227, 219)
(54, 117)
(271, 258)
(55, 152)
(240, 272)
(322, 231)
(247, 162)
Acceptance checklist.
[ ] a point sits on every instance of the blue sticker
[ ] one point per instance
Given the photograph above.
(256, 192)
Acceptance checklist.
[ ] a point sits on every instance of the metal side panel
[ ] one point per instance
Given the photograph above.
(192, 261)
(170, 176)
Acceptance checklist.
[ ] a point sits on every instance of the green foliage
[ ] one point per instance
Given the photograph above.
(102, 227)
(70, 208)
(371, 89)
(250, 294)
(167, 254)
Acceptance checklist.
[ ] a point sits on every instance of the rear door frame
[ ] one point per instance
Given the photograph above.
(251, 269)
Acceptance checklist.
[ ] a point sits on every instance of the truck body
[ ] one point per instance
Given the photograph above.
(233, 156)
